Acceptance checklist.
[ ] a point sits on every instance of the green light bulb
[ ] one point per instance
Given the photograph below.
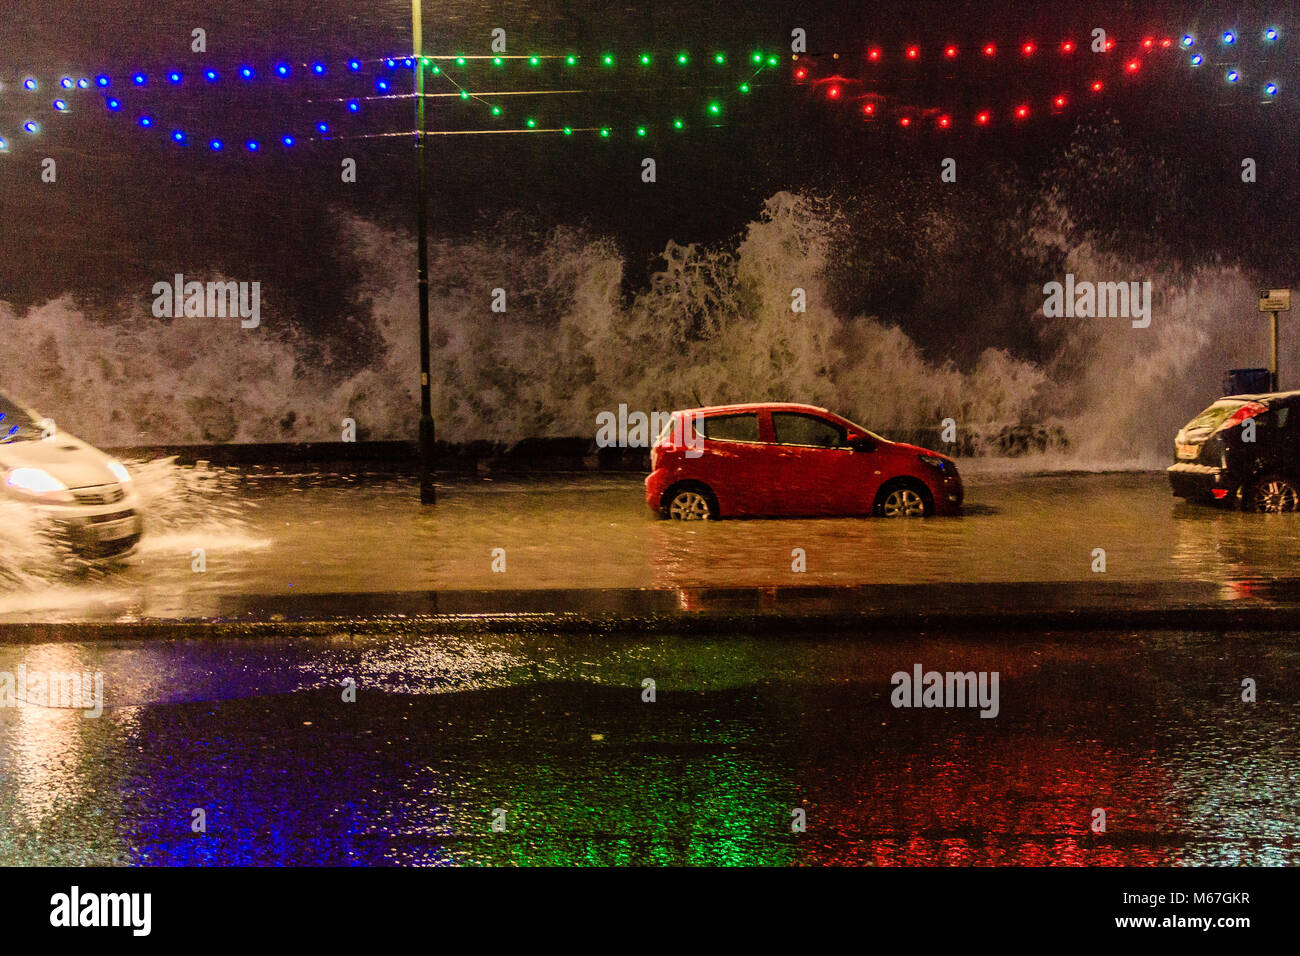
(496, 61)
(436, 70)
(464, 94)
(683, 59)
(572, 60)
(773, 61)
(535, 60)
(609, 60)
(640, 130)
(605, 132)
(496, 111)
(678, 124)
(744, 87)
(719, 58)
(460, 61)
(715, 107)
(757, 57)
(568, 131)
(645, 59)
(530, 123)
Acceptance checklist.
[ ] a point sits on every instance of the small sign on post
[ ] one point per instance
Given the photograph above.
(1274, 301)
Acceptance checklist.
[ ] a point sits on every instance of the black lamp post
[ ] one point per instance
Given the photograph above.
(427, 493)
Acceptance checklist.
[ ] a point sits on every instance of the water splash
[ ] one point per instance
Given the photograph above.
(713, 324)
(183, 507)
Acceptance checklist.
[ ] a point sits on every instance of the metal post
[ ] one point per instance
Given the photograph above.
(1272, 368)
(427, 494)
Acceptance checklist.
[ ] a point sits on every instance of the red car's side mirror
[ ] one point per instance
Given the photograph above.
(861, 443)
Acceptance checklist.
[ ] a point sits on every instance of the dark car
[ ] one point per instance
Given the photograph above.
(1243, 447)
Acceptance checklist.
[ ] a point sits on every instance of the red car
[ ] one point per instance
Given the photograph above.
(776, 459)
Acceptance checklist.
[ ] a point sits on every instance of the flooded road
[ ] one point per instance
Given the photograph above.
(554, 737)
(341, 534)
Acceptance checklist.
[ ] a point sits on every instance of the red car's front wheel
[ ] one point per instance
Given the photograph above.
(904, 501)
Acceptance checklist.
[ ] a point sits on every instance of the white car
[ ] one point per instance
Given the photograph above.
(84, 496)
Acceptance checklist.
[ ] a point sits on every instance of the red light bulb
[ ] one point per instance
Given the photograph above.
(913, 52)
(990, 49)
(950, 52)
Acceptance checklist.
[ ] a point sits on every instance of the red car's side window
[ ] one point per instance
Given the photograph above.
(799, 428)
(743, 427)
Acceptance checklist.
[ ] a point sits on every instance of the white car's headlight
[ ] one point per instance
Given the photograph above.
(38, 483)
(119, 471)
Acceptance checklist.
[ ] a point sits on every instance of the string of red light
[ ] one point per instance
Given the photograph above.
(873, 105)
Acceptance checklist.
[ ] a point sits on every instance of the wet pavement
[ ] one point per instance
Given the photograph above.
(265, 537)
(521, 691)
(743, 730)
